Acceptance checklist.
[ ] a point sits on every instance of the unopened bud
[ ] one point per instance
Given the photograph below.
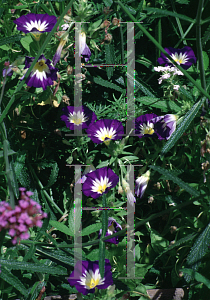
(69, 70)
(108, 38)
(105, 24)
(116, 22)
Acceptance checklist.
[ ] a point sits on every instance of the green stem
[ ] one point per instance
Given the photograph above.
(121, 232)
(199, 44)
(159, 35)
(45, 193)
(162, 50)
(19, 87)
(184, 35)
(179, 23)
(101, 242)
(122, 41)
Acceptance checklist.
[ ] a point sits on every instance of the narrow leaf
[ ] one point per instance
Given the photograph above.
(164, 105)
(183, 126)
(108, 84)
(31, 267)
(91, 228)
(177, 180)
(61, 227)
(13, 280)
(197, 276)
(165, 13)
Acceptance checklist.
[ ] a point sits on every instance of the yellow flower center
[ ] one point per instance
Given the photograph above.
(147, 128)
(41, 66)
(101, 188)
(92, 282)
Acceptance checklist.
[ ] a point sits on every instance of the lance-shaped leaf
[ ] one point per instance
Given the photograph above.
(190, 115)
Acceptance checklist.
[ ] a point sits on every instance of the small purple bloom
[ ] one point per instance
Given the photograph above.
(78, 115)
(99, 182)
(165, 126)
(144, 125)
(84, 49)
(185, 57)
(105, 130)
(113, 227)
(86, 279)
(36, 24)
(57, 55)
(43, 73)
(141, 184)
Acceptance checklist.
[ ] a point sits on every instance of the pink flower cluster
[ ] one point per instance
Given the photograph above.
(26, 214)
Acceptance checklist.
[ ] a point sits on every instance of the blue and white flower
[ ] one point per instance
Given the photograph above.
(99, 182)
(105, 130)
(36, 24)
(141, 184)
(75, 116)
(88, 278)
(184, 57)
(43, 73)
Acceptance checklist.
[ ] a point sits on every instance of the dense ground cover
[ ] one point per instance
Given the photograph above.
(104, 102)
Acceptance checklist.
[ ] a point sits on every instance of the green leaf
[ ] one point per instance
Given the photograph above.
(205, 60)
(19, 163)
(101, 258)
(164, 105)
(183, 126)
(166, 13)
(55, 256)
(170, 175)
(108, 84)
(10, 152)
(32, 267)
(10, 39)
(198, 250)
(91, 228)
(158, 243)
(183, 240)
(7, 276)
(62, 228)
(53, 175)
(197, 276)
(26, 41)
(110, 59)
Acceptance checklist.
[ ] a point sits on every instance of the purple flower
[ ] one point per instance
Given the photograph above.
(185, 57)
(7, 71)
(78, 115)
(165, 126)
(144, 125)
(99, 182)
(89, 276)
(87, 170)
(84, 49)
(43, 73)
(36, 24)
(26, 214)
(141, 184)
(57, 55)
(113, 227)
(105, 130)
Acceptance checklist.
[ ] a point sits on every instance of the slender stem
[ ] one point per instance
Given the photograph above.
(162, 49)
(121, 232)
(199, 44)
(46, 194)
(34, 61)
(179, 23)
(184, 35)
(122, 41)
(159, 35)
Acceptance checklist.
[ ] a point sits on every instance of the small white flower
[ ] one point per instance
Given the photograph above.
(176, 87)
